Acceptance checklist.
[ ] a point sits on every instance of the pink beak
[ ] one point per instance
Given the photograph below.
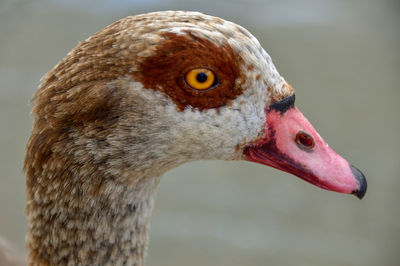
(291, 144)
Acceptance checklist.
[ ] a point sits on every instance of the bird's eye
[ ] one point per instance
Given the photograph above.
(200, 79)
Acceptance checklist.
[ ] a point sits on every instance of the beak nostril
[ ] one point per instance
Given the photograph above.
(304, 140)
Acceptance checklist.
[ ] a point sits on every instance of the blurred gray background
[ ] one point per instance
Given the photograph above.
(343, 59)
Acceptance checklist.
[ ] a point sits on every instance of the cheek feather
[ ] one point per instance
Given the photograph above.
(176, 55)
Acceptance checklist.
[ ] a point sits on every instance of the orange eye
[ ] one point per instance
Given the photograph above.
(200, 78)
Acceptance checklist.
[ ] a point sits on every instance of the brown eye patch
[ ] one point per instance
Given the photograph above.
(176, 55)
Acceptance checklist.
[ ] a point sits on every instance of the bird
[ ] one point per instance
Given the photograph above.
(146, 94)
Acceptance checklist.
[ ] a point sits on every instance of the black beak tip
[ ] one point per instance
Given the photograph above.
(362, 189)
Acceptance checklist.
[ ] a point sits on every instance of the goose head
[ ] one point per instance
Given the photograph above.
(166, 88)
(151, 92)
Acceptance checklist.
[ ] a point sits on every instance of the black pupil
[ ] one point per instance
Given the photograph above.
(201, 77)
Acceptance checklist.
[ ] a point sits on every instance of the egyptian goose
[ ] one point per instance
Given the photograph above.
(144, 95)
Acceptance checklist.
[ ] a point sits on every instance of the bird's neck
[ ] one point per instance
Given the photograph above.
(105, 225)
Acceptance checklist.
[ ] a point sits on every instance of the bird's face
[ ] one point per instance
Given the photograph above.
(195, 87)
(216, 94)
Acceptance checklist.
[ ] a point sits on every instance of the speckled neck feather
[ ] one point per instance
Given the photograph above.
(113, 116)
